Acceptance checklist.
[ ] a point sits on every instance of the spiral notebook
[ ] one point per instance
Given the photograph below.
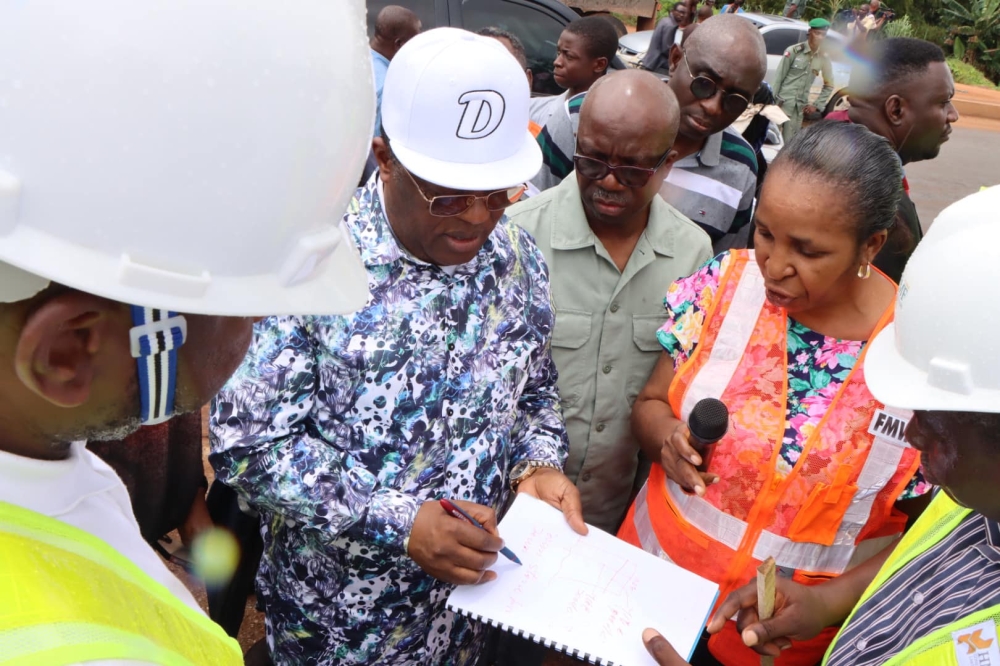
(588, 596)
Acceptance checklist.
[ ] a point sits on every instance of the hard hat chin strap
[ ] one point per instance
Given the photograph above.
(156, 337)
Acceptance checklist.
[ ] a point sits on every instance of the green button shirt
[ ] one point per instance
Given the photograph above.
(604, 342)
(798, 69)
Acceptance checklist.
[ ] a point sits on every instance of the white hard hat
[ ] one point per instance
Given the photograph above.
(455, 110)
(943, 350)
(184, 155)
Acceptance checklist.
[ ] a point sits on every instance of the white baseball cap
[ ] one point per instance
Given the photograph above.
(455, 110)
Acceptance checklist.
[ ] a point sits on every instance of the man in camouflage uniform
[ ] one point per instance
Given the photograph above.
(799, 66)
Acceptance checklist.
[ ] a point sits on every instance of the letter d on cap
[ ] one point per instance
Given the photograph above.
(483, 112)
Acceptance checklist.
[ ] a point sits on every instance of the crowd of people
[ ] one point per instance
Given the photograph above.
(523, 296)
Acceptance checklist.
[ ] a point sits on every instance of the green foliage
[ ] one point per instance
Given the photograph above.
(967, 74)
(932, 33)
(901, 27)
(974, 32)
(958, 48)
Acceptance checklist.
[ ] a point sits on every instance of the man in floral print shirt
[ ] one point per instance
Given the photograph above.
(345, 431)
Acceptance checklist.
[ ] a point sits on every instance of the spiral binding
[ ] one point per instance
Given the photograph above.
(541, 640)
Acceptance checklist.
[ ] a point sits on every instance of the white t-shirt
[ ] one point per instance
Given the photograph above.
(83, 491)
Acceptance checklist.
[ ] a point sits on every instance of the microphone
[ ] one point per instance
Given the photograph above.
(708, 423)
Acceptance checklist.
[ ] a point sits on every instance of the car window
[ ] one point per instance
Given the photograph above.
(424, 9)
(537, 28)
(778, 39)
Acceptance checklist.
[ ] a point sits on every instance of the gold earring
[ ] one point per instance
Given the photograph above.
(865, 271)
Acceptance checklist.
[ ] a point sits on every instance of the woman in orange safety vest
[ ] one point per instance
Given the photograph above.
(813, 469)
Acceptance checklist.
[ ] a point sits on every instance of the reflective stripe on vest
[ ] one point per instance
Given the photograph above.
(644, 527)
(68, 597)
(730, 344)
(811, 557)
(846, 477)
(936, 649)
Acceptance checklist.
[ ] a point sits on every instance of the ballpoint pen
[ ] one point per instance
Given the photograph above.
(457, 512)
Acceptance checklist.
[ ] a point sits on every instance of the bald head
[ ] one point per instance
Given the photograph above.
(629, 122)
(635, 101)
(733, 38)
(394, 26)
(728, 51)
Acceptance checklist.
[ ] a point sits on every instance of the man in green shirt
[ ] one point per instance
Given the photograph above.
(799, 66)
(613, 246)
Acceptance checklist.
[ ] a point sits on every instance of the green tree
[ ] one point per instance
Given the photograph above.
(974, 32)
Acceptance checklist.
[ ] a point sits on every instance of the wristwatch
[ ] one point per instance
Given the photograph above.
(526, 468)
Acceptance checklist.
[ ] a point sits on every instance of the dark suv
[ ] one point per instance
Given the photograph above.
(537, 23)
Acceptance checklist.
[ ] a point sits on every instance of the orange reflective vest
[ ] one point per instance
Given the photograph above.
(835, 508)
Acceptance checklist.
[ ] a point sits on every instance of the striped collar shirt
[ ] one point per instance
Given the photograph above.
(715, 188)
(559, 118)
(955, 578)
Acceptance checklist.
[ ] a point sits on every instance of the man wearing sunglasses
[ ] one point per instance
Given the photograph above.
(344, 432)
(612, 244)
(714, 76)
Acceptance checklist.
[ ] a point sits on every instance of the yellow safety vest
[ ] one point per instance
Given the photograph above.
(67, 597)
(936, 649)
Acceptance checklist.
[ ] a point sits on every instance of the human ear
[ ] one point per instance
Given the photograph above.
(674, 58)
(383, 157)
(601, 65)
(57, 350)
(874, 245)
(671, 158)
(895, 110)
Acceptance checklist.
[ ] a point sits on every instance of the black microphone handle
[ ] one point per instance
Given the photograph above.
(705, 449)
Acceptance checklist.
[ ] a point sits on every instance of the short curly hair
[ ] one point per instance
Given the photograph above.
(599, 36)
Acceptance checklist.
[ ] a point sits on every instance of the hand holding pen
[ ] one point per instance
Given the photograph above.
(455, 551)
(457, 512)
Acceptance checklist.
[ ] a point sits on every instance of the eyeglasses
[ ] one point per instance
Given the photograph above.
(628, 176)
(450, 205)
(703, 87)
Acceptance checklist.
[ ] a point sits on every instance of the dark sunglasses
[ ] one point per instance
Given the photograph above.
(703, 87)
(628, 176)
(450, 205)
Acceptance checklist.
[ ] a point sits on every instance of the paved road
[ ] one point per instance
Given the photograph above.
(968, 161)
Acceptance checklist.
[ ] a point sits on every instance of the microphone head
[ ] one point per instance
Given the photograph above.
(709, 420)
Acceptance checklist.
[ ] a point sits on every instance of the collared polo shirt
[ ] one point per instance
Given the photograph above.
(957, 577)
(604, 342)
(715, 188)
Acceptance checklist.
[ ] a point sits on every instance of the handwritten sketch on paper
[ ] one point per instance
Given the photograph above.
(590, 594)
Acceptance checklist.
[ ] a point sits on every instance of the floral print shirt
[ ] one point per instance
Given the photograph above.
(817, 364)
(337, 428)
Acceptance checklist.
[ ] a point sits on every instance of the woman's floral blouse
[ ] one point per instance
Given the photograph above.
(817, 364)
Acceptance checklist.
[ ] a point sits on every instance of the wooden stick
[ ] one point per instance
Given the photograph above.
(765, 598)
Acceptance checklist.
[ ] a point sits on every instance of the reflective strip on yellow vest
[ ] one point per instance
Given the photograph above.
(938, 648)
(68, 597)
